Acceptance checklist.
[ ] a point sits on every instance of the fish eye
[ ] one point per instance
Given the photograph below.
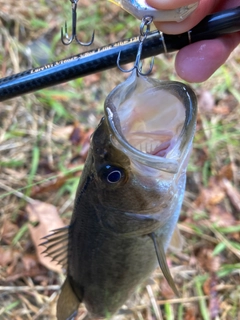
(112, 174)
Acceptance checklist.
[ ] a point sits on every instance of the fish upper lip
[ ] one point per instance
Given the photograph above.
(173, 161)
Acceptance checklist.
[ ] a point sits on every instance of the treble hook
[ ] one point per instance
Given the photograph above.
(146, 21)
(74, 28)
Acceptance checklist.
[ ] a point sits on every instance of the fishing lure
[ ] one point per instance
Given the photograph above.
(140, 9)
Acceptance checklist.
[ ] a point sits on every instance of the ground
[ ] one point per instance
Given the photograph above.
(44, 138)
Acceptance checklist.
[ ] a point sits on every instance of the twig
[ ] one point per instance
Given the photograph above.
(222, 239)
(182, 300)
(187, 229)
(17, 193)
(45, 306)
(154, 303)
(27, 288)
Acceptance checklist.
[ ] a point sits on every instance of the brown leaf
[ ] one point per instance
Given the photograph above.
(8, 231)
(86, 143)
(76, 135)
(14, 265)
(190, 314)
(226, 172)
(222, 110)
(53, 184)
(8, 256)
(92, 78)
(211, 196)
(166, 291)
(63, 132)
(232, 193)
(20, 272)
(47, 218)
(207, 261)
(221, 217)
(209, 288)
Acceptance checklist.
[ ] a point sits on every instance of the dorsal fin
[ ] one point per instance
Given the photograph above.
(56, 244)
(163, 262)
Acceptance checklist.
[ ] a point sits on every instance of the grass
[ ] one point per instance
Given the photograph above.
(39, 160)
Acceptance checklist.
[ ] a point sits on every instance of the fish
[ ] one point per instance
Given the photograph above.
(129, 196)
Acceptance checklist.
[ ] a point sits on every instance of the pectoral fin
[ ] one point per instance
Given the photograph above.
(56, 245)
(68, 302)
(162, 262)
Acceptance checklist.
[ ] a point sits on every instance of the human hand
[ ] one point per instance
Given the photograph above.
(198, 61)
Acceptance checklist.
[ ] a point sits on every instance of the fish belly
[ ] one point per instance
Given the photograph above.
(110, 270)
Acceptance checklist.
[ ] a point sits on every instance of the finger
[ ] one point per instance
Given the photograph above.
(204, 8)
(198, 61)
(169, 4)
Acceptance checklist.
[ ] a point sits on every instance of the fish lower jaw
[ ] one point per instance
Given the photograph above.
(155, 148)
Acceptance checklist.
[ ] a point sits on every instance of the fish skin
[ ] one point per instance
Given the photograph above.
(117, 244)
(119, 231)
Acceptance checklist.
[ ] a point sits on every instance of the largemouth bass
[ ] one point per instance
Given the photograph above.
(129, 196)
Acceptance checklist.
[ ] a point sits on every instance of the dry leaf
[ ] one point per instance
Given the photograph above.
(211, 196)
(47, 218)
(221, 217)
(209, 288)
(76, 135)
(222, 110)
(226, 172)
(53, 184)
(63, 132)
(190, 314)
(15, 265)
(8, 231)
(8, 257)
(92, 78)
(232, 193)
(166, 291)
(207, 261)
(86, 143)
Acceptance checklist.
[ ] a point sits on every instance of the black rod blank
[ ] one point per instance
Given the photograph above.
(104, 58)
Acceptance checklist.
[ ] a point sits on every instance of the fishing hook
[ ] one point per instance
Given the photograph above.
(74, 29)
(146, 21)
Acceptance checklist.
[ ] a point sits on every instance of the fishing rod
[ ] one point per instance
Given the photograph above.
(104, 58)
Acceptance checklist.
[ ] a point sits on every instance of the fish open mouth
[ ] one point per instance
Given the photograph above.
(152, 121)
